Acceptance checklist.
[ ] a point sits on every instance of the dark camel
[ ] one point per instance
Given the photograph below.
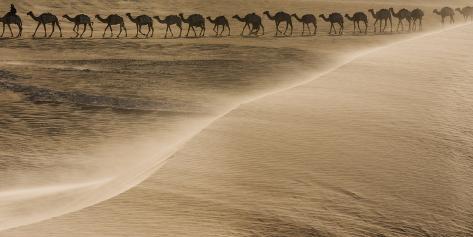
(169, 21)
(78, 20)
(467, 12)
(357, 18)
(334, 18)
(111, 20)
(43, 19)
(9, 19)
(220, 21)
(446, 12)
(306, 20)
(194, 20)
(278, 18)
(380, 16)
(253, 20)
(140, 21)
(401, 15)
(417, 15)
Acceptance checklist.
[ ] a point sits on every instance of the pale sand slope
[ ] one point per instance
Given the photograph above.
(378, 147)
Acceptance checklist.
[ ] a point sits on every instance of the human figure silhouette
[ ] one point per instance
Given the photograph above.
(12, 10)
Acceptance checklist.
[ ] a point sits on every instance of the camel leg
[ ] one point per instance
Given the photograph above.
(398, 24)
(374, 25)
(124, 28)
(216, 32)
(341, 29)
(52, 31)
(91, 30)
(277, 28)
(188, 29)
(166, 35)
(452, 20)
(262, 27)
(85, 27)
(59, 27)
(103, 36)
(180, 31)
(410, 25)
(244, 27)
(287, 26)
(3, 30)
(111, 32)
(34, 34)
(11, 32)
(228, 27)
(45, 35)
(366, 27)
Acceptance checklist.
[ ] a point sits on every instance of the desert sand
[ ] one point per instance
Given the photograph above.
(302, 136)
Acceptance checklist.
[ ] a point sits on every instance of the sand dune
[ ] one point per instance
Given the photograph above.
(379, 146)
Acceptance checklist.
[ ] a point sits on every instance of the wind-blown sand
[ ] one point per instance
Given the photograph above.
(380, 146)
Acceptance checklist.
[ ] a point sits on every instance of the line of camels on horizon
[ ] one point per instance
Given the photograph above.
(252, 21)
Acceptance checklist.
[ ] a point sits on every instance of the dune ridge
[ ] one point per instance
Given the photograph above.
(334, 189)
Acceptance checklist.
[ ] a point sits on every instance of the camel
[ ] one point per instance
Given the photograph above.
(140, 21)
(401, 15)
(194, 20)
(253, 20)
(43, 19)
(444, 13)
(380, 16)
(334, 18)
(306, 20)
(417, 15)
(113, 19)
(78, 20)
(357, 18)
(169, 21)
(278, 18)
(9, 19)
(220, 21)
(467, 12)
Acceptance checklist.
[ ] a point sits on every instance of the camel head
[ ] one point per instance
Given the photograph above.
(128, 14)
(30, 13)
(65, 16)
(458, 9)
(294, 15)
(181, 15)
(371, 10)
(265, 12)
(97, 16)
(436, 11)
(235, 17)
(347, 16)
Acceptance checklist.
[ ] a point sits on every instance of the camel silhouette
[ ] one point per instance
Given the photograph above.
(78, 20)
(253, 20)
(306, 20)
(417, 15)
(169, 21)
(278, 18)
(9, 19)
(380, 16)
(446, 12)
(334, 18)
(140, 21)
(111, 20)
(43, 19)
(194, 20)
(466, 12)
(357, 18)
(220, 21)
(401, 15)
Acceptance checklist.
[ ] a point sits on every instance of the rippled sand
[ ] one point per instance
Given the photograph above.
(376, 145)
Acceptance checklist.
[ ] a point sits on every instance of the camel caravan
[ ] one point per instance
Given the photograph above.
(253, 23)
